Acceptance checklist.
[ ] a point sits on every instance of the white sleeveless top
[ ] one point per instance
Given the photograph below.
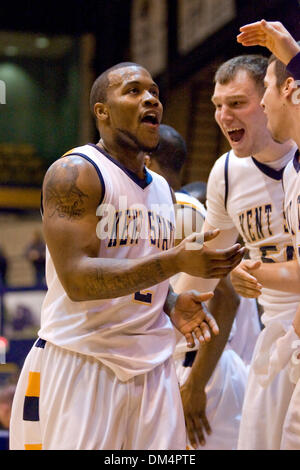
(247, 194)
(291, 184)
(130, 334)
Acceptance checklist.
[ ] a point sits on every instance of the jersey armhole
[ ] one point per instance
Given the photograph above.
(98, 173)
(226, 179)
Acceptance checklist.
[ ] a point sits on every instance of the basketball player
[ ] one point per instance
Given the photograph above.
(245, 196)
(212, 380)
(282, 107)
(101, 376)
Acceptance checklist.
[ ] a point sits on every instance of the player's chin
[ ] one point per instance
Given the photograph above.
(276, 136)
(149, 144)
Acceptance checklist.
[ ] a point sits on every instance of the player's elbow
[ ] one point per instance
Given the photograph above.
(72, 285)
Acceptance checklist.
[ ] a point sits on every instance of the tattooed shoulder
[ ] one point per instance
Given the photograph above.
(61, 193)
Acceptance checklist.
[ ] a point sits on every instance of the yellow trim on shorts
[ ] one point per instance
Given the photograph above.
(33, 446)
(33, 387)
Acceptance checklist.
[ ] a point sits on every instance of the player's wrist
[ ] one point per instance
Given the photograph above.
(195, 383)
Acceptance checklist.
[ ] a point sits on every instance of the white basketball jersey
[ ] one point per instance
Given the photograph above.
(247, 194)
(291, 184)
(130, 334)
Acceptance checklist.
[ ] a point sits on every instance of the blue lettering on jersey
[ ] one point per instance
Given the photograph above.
(255, 223)
(127, 229)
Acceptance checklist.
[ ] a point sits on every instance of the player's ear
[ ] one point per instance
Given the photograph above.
(147, 161)
(101, 111)
(288, 87)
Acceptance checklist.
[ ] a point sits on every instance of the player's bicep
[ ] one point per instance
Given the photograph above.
(71, 194)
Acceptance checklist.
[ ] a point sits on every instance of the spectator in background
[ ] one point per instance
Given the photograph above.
(196, 189)
(35, 253)
(3, 268)
(6, 398)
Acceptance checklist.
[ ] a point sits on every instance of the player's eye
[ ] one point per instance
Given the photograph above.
(155, 92)
(133, 91)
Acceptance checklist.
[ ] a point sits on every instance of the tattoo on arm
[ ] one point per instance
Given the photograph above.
(62, 195)
(100, 280)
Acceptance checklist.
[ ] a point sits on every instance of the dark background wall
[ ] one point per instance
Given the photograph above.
(45, 105)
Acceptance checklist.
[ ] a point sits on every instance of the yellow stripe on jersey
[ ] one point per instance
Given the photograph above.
(33, 446)
(68, 152)
(184, 203)
(33, 387)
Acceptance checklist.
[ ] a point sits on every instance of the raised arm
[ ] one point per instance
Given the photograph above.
(71, 195)
(270, 34)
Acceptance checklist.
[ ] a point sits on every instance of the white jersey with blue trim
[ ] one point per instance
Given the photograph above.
(248, 195)
(129, 334)
(291, 184)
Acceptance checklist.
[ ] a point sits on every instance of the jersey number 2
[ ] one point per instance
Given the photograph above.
(144, 298)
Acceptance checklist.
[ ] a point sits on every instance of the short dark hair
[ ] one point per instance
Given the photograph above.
(196, 189)
(254, 64)
(171, 151)
(280, 70)
(99, 89)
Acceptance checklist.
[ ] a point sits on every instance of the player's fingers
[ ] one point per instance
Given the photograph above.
(226, 253)
(254, 264)
(211, 234)
(245, 284)
(205, 423)
(199, 430)
(243, 276)
(198, 332)
(255, 25)
(189, 340)
(209, 319)
(205, 332)
(271, 27)
(222, 267)
(190, 432)
(202, 296)
(246, 292)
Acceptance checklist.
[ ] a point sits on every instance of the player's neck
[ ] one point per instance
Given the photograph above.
(274, 151)
(295, 128)
(130, 159)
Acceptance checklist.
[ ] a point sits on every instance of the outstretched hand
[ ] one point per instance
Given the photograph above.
(270, 34)
(196, 259)
(191, 318)
(244, 281)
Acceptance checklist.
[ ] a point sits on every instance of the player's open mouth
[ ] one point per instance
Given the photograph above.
(150, 119)
(236, 134)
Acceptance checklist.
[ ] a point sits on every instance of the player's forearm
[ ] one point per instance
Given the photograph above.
(280, 276)
(95, 278)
